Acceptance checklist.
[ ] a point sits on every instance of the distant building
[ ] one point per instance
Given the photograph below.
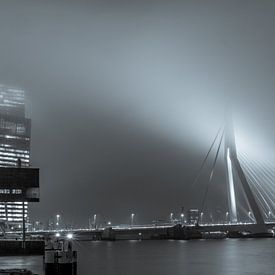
(193, 216)
(36, 226)
(15, 131)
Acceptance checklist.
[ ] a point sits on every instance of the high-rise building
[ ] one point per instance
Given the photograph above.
(15, 131)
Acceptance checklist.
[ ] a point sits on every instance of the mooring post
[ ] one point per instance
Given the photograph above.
(60, 258)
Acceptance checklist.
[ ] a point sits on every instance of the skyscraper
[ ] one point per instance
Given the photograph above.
(15, 131)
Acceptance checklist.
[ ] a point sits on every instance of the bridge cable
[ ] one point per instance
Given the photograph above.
(212, 172)
(258, 191)
(206, 157)
(261, 168)
(263, 193)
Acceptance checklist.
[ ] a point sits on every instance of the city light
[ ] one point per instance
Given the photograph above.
(57, 235)
(70, 236)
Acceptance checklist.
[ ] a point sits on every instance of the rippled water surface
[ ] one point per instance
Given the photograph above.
(231, 256)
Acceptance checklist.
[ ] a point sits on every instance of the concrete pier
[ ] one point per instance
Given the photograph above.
(60, 258)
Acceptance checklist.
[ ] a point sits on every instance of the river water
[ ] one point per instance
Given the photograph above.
(196, 257)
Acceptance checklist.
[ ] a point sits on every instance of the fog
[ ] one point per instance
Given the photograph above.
(125, 97)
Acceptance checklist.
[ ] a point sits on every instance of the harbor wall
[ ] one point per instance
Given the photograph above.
(15, 247)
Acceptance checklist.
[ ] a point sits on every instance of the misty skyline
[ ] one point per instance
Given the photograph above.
(126, 96)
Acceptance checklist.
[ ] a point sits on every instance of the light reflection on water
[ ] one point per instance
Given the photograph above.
(33, 263)
(215, 257)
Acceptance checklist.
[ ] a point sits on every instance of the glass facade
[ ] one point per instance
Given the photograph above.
(15, 131)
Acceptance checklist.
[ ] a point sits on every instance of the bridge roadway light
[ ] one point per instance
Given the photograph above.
(57, 234)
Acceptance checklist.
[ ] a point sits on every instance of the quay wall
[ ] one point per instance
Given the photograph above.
(15, 248)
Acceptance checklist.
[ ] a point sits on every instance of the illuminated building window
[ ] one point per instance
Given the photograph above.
(16, 191)
(14, 145)
(4, 191)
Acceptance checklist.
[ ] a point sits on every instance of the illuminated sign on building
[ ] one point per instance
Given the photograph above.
(19, 184)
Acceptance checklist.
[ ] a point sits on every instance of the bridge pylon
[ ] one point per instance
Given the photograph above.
(232, 162)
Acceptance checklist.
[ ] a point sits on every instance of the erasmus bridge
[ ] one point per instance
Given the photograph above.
(250, 189)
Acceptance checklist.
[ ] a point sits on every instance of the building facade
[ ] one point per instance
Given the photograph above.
(193, 216)
(15, 132)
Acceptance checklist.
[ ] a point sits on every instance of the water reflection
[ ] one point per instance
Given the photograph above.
(215, 257)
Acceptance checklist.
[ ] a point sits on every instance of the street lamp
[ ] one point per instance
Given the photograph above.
(94, 222)
(182, 218)
(269, 215)
(226, 217)
(201, 217)
(57, 220)
(132, 219)
(171, 217)
(211, 218)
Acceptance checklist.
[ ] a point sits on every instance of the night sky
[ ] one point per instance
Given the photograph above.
(126, 96)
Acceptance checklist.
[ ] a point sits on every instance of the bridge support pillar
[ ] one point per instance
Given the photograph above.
(232, 161)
